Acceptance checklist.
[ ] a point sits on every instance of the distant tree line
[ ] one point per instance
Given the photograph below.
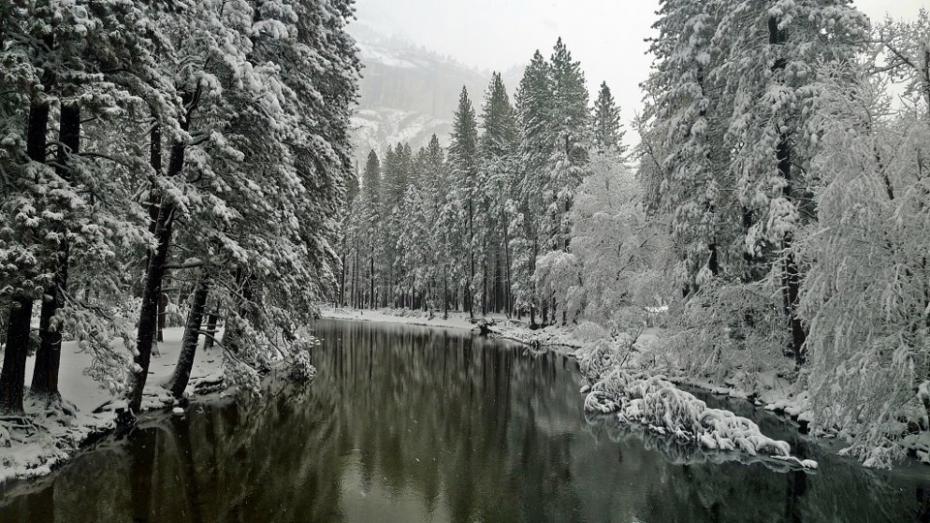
(461, 228)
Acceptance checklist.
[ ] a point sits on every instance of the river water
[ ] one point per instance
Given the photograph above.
(412, 424)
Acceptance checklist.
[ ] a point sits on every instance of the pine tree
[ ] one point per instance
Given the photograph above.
(498, 160)
(608, 130)
(463, 163)
(534, 103)
(767, 131)
(683, 146)
(570, 124)
(371, 202)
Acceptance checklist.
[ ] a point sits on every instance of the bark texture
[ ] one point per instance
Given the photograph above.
(48, 357)
(182, 371)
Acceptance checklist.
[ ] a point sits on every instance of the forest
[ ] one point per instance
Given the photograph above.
(170, 148)
(189, 163)
(776, 216)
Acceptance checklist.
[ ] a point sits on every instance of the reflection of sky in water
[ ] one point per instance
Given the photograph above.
(411, 424)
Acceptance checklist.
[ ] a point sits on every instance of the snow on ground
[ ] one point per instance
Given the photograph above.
(50, 434)
(456, 320)
(620, 383)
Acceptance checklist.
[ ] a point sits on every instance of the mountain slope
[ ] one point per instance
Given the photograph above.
(407, 93)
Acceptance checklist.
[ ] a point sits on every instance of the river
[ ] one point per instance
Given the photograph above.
(414, 424)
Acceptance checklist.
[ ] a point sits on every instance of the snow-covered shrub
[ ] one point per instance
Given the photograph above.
(657, 403)
(727, 331)
(300, 369)
(588, 331)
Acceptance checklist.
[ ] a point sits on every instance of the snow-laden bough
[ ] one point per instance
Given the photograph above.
(656, 403)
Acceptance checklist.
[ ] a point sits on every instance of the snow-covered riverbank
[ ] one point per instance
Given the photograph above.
(48, 435)
(621, 381)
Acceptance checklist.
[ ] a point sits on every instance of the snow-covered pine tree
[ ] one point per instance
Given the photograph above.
(371, 221)
(608, 129)
(767, 136)
(498, 147)
(685, 172)
(534, 104)
(570, 128)
(94, 62)
(463, 165)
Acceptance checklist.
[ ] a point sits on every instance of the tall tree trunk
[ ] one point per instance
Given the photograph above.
(371, 275)
(155, 269)
(508, 296)
(355, 290)
(155, 272)
(470, 298)
(445, 293)
(342, 280)
(484, 288)
(48, 357)
(182, 371)
(155, 161)
(13, 375)
(791, 274)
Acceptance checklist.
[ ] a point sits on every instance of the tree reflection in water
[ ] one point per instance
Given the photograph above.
(413, 424)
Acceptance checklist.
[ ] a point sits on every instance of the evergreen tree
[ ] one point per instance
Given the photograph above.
(534, 104)
(371, 199)
(463, 163)
(771, 106)
(498, 150)
(569, 123)
(608, 130)
(683, 145)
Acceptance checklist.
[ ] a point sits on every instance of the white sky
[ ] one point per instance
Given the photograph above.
(607, 36)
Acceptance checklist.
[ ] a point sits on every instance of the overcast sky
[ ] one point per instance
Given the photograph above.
(605, 35)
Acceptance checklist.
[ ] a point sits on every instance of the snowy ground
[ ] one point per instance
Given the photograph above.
(561, 340)
(456, 320)
(49, 435)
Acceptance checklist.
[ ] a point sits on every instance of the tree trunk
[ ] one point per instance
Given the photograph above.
(470, 298)
(211, 330)
(484, 288)
(182, 371)
(342, 280)
(13, 375)
(371, 274)
(445, 294)
(48, 357)
(355, 290)
(162, 316)
(791, 275)
(155, 272)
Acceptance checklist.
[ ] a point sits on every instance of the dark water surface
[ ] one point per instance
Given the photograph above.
(412, 424)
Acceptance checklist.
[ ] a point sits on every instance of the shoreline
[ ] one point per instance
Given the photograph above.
(87, 413)
(52, 433)
(791, 410)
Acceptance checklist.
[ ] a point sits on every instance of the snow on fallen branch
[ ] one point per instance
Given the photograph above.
(656, 403)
